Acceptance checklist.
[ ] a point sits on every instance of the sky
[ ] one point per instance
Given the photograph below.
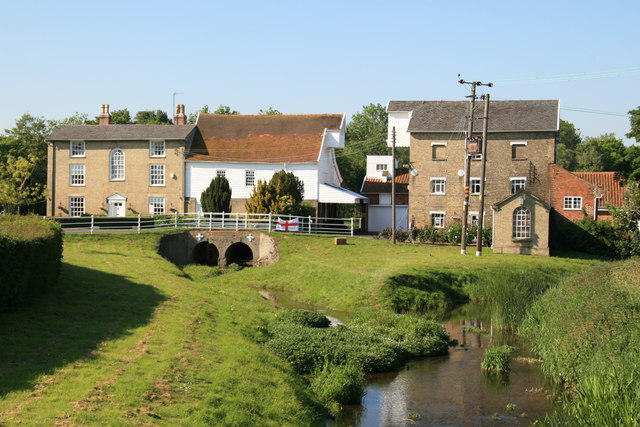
(303, 57)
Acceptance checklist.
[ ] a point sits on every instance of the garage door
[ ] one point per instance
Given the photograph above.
(380, 217)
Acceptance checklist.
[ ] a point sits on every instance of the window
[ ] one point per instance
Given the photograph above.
(473, 219)
(76, 174)
(156, 148)
(519, 150)
(572, 203)
(439, 151)
(116, 165)
(381, 167)
(521, 223)
(517, 184)
(77, 149)
(156, 205)
(249, 178)
(76, 206)
(156, 175)
(437, 219)
(438, 185)
(475, 185)
(221, 173)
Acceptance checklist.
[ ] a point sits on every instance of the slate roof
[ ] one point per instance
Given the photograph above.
(449, 116)
(609, 183)
(261, 138)
(376, 185)
(120, 132)
(402, 105)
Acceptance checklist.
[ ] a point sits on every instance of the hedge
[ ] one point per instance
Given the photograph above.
(30, 258)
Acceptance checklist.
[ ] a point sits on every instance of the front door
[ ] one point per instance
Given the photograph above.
(116, 208)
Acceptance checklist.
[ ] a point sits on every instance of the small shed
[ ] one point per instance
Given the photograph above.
(521, 225)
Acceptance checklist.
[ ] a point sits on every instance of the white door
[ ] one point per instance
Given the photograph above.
(116, 208)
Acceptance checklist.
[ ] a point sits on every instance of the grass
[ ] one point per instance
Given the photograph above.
(129, 338)
(497, 360)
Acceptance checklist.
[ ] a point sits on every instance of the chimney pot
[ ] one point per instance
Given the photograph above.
(105, 117)
(180, 118)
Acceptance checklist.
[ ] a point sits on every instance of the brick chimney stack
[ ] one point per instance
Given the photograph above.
(179, 118)
(105, 117)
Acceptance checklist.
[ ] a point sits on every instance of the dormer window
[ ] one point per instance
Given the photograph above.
(77, 149)
(156, 149)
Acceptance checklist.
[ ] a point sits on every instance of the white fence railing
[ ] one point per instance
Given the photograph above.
(208, 221)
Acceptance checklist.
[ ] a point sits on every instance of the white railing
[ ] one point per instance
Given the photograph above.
(207, 221)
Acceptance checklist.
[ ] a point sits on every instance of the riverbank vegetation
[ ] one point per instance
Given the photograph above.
(129, 338)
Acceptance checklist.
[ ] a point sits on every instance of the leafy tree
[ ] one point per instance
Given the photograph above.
(287, 184)
(632, 157)
(122, 117)
(634, 118)
(602, 153)
(78, 119)
(157, 117)
(269, 111)
(568, 142)
(263, 199)
(225, 109)
(194, 116)
(17, 186)
(626, 221)
(217, 197)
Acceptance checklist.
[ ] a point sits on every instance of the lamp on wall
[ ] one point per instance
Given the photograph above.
(412, 170)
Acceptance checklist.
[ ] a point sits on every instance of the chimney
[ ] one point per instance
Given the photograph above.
(105, 117)
(180, 118)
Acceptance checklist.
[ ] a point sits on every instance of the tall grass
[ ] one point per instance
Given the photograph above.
(497, 360)
(337, 385)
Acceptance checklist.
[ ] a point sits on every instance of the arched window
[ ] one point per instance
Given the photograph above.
(116, 165)
(521, 223)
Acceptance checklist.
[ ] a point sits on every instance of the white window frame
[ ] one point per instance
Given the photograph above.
(512, 143)
(157, 149)
(78, 149)
(441, 215)
(473, 182)
(76, 174)
(521, 224)
(249, 178)
(518, 178)
(76, 206)
(116, 167)
(221, 173)
(473, 222)
(440, 181)
(156, 174)
(441, 144)
(381, 167)
(156, 205)
(572, 203)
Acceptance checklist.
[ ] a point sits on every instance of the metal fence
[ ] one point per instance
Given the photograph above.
(209, 221)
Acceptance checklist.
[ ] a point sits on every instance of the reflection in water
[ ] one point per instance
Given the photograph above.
(451, 390)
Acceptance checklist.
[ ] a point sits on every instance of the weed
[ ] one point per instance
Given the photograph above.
(337, 385)
(497, 359)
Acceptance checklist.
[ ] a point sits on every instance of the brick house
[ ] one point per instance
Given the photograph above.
(521, 146)
(117, 170)
(576, 194)
(376, 186)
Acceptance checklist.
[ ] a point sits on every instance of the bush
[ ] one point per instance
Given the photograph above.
(497, 359)
(30, 258)
(216, 197)
(309, 318)
(336, 385)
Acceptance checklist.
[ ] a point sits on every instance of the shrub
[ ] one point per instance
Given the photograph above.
(335, 385)
(217, 197)
(497, 359)
(309, 318)
(30, 258)
(453, 233)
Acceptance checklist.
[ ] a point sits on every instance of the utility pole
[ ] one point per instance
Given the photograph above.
(467, 161)
(485, 128)
(393, 185)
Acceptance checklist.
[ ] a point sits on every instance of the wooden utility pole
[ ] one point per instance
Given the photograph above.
(485, 128)
(393, 185)
(467, 161)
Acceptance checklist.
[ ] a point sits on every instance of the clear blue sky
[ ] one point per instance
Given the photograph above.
(299, 57)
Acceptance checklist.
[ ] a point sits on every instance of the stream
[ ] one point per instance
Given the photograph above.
(452, 390)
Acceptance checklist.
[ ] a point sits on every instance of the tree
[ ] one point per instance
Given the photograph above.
(568, 142)
(217, 197)
(287, 184)
(366, 134)
(270, 112)
(78, 119)
(632, 157)
(626, 221)
(122, 117)
(634, 118)
(17, 186)
(263, 199)
(194, 116)
(225, 109)
(157, 117)
(602, 153)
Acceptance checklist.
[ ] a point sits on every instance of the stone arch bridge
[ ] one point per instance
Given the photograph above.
(219, 248)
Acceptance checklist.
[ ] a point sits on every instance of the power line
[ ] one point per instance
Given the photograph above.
(571, 77)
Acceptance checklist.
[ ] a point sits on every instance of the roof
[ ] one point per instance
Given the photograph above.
(402, 105)
(450, 116)
(524, 194)
(376, 185)
(609, 183)
(261, 138)
(120, 132)
(328, 193)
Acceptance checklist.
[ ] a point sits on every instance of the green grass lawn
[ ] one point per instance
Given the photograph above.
(129, 338)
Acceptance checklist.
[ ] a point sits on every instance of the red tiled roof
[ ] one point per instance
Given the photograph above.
(376, 185)
(261, 138)
(609, 183)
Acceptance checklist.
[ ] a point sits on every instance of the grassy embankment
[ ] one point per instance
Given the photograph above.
(129, 338)
(587, 331)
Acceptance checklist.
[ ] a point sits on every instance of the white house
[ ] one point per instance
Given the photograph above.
(249, 148)
(376, 186)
